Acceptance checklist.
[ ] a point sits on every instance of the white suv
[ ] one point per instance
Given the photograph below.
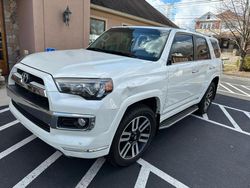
(111, 98)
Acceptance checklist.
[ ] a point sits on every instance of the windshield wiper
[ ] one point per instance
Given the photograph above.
(95, 49)
(113, 52)
(121, 53)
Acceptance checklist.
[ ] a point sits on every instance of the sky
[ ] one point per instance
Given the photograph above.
(184, 12)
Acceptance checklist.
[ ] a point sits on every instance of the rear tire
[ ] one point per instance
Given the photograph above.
(133, 136)
(207, 99)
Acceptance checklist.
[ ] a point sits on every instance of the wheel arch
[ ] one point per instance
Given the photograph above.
(152, 102)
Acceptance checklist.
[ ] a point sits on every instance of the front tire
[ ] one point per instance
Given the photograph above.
(133, 136)
(207, 99)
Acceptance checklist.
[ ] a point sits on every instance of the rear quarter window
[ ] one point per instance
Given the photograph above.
(216, 48)
(202, 48)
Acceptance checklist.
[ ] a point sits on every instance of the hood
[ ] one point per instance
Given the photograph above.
(84, 63)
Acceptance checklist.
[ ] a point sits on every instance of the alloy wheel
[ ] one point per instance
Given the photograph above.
(134, 137)
(209, 98)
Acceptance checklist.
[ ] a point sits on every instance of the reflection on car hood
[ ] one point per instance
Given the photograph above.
(84, 63)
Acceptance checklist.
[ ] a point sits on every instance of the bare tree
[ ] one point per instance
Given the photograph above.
(235, 15)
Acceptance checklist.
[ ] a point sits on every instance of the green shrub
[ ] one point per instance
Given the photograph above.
(238, 63)
(246, 66)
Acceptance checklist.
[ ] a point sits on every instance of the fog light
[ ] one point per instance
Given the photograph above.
(76, 123)
(81, 122)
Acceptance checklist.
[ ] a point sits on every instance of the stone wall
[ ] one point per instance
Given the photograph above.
(11, 27)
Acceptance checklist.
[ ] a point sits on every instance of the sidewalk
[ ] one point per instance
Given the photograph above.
(4, 99)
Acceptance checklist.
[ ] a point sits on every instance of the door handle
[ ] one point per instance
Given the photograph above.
(195, 71)
(211, 68)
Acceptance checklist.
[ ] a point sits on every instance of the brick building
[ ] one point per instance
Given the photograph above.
(212, 24)
(29, 26)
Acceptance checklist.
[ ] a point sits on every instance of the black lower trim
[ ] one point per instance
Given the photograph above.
(32, 118)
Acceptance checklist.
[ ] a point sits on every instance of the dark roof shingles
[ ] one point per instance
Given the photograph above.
(139, 8)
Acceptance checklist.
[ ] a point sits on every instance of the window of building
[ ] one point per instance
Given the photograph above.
(201, 26)
(216, 48)
(202, 49)
(97, 27)
(204, 26)
(208, 26)
(182, 49)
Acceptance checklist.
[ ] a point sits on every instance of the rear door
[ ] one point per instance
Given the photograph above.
(216, 64)
(202, 64)
(181, 68)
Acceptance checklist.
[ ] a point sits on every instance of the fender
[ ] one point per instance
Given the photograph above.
(128, 102)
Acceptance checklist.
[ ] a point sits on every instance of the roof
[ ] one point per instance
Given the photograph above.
(139, 8)
(228, 14)
(208, 16)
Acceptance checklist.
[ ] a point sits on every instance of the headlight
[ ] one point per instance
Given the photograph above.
(90, 89)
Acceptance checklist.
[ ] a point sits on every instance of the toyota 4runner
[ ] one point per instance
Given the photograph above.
(111, 98)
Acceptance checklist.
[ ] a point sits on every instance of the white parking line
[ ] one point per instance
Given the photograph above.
(236, 126)
(222, 125)
(245, 87)
(89, 176)
(205, 116)
(8, 125)
(232, 108)
(161, 174)
(16, 146)
(226, 88)
(36, 172)
(142, 178)
(238, 89)
(232, 93)
(247, 114)
(4, 110)
(236, 84)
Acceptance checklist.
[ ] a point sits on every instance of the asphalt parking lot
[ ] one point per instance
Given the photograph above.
(208, 151)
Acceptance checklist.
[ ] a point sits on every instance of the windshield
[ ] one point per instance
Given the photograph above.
(141, 43)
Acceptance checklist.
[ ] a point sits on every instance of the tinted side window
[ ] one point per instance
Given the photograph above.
(202, 49)
(182, 49)
(216, 48)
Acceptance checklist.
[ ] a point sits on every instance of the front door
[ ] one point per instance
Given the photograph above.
(3, 52)
(182, 72)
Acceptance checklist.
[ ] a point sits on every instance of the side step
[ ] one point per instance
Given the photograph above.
(181, 115)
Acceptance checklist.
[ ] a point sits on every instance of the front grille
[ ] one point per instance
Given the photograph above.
(32, 118)
(33, 78)
(38, 100)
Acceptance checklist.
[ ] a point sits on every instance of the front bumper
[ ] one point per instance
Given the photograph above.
(82, 144)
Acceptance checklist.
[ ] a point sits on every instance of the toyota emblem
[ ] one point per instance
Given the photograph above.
(25, 78)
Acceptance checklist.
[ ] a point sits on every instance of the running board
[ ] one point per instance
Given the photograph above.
(181, 115)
